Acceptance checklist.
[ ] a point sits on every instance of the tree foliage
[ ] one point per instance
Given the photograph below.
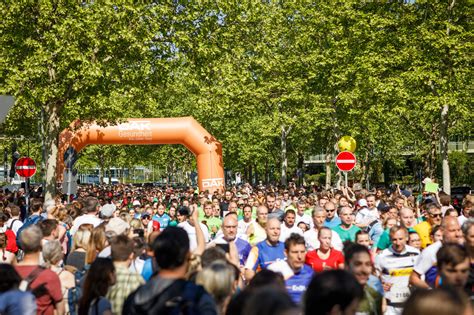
(381, 71)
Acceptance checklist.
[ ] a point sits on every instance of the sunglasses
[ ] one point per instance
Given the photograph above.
(330, 210)
(435, 215)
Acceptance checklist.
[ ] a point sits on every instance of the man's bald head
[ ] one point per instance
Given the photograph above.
(229, 219)
(273, 229)
(229, 227)
(452, 230)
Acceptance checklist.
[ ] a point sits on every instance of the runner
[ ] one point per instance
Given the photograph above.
(394, 266)
(297, 275)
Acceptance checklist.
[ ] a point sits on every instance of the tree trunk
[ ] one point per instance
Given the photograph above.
(267, 173)
(444, 149)
(250, 178)
(284, 158)
(432, 158)
(328, 170)
(51, 143)
(300, 169)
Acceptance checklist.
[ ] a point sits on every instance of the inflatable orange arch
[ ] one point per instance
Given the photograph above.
(183, 130)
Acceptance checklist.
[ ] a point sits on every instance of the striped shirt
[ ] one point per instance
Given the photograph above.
(395, 268)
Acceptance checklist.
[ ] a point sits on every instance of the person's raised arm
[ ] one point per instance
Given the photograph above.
(201, 243)
(350, 195)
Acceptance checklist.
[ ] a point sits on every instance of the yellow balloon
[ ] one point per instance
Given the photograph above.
(347, 143)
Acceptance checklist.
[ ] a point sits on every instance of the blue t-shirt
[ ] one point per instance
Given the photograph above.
(243, 248)
(98, 307)
(15, 302)
(147, 270)
(264, 254)
(332, 223)
(297, 284)
(164, 220)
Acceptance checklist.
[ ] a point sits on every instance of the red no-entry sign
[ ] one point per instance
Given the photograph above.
(346, 161)
(25, 167)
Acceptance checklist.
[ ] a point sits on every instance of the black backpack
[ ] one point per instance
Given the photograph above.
(180, 298)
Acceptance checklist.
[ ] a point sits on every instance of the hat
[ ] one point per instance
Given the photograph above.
(107, 210)
(136, 203)
(362, 203)
(156, 225)
(117, 225)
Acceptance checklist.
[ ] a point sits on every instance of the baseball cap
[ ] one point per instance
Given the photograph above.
(107, 210)
(117, 225)
(136, 203)
(362, 203)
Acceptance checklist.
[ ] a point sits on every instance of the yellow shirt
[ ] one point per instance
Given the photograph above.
(259, 234)
(424, 229)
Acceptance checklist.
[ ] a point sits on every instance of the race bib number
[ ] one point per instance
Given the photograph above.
(399, 294)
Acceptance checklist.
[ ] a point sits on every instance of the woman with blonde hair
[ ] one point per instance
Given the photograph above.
(219, 280)
(97, 242)
(80, 245)
(53, 256)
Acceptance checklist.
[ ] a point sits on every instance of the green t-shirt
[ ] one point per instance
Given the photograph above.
(371, 303)
(212, 222)
(346, 235)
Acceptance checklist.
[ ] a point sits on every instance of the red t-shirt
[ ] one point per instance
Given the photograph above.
(46, 302)
(333, 261)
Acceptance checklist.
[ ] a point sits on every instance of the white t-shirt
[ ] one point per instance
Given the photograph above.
(304, 218)
(85, 219)
(312, 242)
(366, 216)
(395, 268)
(286, 231)
(15, 224)
(192, 233)
(462, 219)
(427, 260)
(242, 227)
(282, 267)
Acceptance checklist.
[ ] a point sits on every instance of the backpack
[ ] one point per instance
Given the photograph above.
(25, 284)
(180, 298)
(34, 219)
(74, 294)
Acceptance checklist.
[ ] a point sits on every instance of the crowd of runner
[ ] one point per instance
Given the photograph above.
(248, 250)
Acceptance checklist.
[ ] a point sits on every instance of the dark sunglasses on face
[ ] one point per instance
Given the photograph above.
(330, 210)
(435, 215)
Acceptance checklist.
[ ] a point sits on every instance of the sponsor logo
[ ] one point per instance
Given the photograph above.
(401, 272)
(297, 288)
(136, 130)
(135, 125)
(212, 182)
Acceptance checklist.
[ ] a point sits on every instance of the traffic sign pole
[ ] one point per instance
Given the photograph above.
(26, 167)
(345, 162)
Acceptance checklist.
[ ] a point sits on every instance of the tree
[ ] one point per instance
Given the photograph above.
(78, 60)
